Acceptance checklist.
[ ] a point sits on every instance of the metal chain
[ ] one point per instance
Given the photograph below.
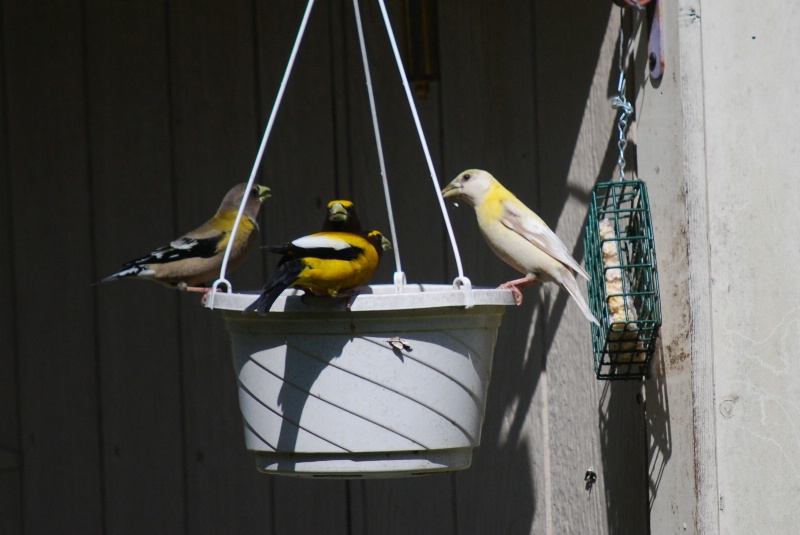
(621, 103)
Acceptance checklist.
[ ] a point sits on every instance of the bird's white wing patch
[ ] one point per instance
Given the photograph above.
(533, 229)
(136, 271)
(320, 242)
(183, 244)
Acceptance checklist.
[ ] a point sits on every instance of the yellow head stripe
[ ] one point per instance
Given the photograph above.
(346, 204)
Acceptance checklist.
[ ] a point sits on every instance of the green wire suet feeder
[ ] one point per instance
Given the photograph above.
(621, 259)
(623, 292)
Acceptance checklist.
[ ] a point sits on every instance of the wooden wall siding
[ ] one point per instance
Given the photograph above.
(752, 193)
(124, 123)
(674, 169)
(10, 445)
(48, 171)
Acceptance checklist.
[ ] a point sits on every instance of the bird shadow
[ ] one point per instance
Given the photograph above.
(657, 418)
(303, 366)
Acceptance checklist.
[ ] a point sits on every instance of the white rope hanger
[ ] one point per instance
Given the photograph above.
(399, 277)
(259, 155)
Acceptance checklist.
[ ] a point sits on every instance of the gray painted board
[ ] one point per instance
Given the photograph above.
(160, 109)
(52, 225)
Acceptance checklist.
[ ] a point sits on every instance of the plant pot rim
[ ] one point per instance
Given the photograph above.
(375, 297)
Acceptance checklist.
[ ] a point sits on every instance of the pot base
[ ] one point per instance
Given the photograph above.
(363, 465)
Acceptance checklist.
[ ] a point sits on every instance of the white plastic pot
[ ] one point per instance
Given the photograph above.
(395, 387)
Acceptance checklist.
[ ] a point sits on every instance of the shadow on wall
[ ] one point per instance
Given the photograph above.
(624, 479)
(502, 480)
(642, 479)
(506, 480)
(659, 434)
(623, 435)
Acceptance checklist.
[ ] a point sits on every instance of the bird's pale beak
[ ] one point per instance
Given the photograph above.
(337, 213)
(263, 193)
(453, 189)
(385, 244)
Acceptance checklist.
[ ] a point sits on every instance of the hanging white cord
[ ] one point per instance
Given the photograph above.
(257, 164)
(399, 276)
(461, 281)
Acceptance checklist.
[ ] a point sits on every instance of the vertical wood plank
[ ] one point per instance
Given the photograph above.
(137, 323)
(488, 117)
(310, 506)
(591, 424)
(299, 163)
(300, 166)
(550, 418)
(418, 504)
(419, 238)
(697, 166)
(57, 354)
(11, 508)
(742, 203)
(671, 105)
(411, 505)
(215, 129)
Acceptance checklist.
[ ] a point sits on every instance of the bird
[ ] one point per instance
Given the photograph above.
(196, 257)
(326, 263)
(341, 217)
(518, 236)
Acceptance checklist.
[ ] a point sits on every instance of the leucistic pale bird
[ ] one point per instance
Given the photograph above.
(341, 217)
(196, 257)
(326, 263)
(518, 236)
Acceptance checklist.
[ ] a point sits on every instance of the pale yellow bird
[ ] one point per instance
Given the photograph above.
(518, 236)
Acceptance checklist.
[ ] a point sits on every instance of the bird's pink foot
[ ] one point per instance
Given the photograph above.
(349, 294)
(515, 286)
(198, 289)
(183, 287)
(206, 292)
(514, 290)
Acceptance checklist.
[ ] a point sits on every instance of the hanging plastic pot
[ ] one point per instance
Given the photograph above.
(395, 386)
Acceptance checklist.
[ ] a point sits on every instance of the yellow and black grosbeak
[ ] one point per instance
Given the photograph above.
(196, 257)
(341, 217)
(326, 263)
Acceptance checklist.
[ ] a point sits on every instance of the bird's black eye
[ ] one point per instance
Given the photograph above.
(467, 177)
(254, 192)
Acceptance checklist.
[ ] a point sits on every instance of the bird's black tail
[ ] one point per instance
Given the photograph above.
(132, 271)
(285, 275)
